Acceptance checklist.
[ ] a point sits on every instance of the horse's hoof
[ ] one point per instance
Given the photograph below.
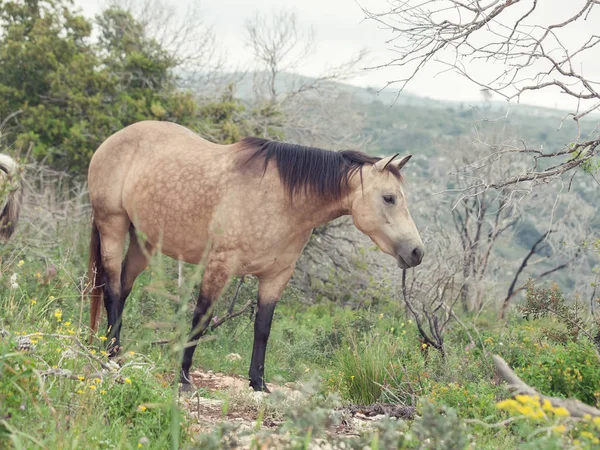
(260, 387)
(113, 351)
(186, 387)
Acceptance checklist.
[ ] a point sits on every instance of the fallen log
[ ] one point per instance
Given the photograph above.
(576, 408)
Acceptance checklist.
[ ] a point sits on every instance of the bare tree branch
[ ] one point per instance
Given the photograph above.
(523, 51)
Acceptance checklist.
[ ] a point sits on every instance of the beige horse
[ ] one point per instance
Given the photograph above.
(11, 196)
(242, 209)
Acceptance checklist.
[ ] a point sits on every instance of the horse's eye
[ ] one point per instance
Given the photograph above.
(389, 199)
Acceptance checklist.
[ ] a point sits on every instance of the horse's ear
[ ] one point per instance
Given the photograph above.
(383, 163)
(401, 163)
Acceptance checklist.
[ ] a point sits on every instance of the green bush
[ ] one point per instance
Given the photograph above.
(470, 400)
(71, 92)
(440, 429)
(571, 370)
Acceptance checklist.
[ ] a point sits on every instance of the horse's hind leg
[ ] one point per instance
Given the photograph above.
(136, 260)
(216, 276)
(113, 230)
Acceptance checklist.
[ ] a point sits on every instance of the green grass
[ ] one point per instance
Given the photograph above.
(355, 355)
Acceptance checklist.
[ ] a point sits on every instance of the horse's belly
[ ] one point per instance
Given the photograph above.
(166, 230)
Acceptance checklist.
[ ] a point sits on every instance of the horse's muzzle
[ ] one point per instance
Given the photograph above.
(414, 259)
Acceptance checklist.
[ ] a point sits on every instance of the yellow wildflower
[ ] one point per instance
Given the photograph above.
(528, 400)
(93, 352)
(547, 406)
(424, 345)
(67, 323)
(33, 301)
(561, 412)
(103, 353)
(127, 380)
(527, 410)
(79, 391)
(102, 392)
(21, 263)
(38, 275)
(103, 338)
(51, 298)
(538, 414)
(58, 314)
(508, 404)
(92, 387)
(590, 436)
(141, 408)
(596, 421)
(81, 378)
(559, 429)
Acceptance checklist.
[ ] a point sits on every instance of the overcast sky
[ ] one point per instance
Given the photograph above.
(341, 32)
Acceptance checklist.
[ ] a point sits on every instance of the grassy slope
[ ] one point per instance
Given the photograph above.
(346, 350)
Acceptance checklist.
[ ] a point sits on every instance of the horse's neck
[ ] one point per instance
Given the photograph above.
(312, 213)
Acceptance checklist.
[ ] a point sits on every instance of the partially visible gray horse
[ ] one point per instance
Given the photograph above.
(11, 195)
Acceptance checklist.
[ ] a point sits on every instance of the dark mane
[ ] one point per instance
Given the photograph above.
(311, 170)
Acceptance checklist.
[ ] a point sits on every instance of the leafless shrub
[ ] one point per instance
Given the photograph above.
(301, 106)
(432, 291)
(280, 45)
(53, 204)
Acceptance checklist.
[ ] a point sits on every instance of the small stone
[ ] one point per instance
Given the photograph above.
(233, 357)
(24, 344)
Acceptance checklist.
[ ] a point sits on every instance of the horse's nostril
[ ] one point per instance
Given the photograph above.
(417, 255)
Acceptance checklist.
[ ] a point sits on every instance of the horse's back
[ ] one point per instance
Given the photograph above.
(150, 140)
(145, 149)
(165, 178)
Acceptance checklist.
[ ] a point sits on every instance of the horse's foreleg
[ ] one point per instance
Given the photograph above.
(269, 291)
(214, 280)
(262, 329)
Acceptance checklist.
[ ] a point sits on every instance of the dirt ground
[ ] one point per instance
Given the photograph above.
(242, 409)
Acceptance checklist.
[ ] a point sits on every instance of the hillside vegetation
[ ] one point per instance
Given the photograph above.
(361, 354)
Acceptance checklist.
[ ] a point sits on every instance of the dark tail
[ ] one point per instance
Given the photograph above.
(11, 196)
(95, 288)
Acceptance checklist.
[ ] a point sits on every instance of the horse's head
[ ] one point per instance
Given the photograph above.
(380, 210)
